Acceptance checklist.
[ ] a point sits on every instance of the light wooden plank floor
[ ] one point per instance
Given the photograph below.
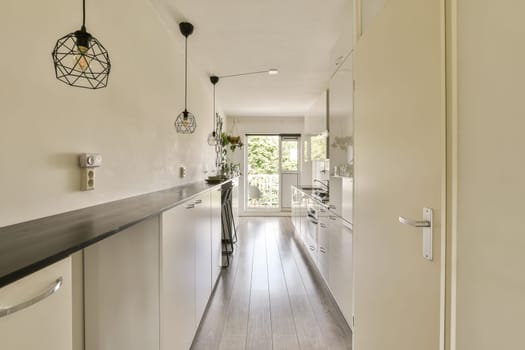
(270, 298)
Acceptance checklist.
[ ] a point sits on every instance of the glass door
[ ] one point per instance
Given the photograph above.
(289, 168)
(263, 185)
(272, 167)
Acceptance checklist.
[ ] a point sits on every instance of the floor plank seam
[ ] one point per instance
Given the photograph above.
(288, 293)
(268, 285)
(249, 297)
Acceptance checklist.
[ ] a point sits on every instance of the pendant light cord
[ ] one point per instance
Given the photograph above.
(214, 121)
(84, 15)
(185, 73)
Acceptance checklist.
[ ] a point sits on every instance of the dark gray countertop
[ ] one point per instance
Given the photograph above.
(29, 246)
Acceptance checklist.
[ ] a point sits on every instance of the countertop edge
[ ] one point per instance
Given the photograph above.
(29, 228)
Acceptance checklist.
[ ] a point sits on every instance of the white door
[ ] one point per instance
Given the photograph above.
(399, 156)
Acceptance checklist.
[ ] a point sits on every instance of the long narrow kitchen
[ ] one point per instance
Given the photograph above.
(300, 174)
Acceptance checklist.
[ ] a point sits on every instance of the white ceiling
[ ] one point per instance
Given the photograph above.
(237, 36)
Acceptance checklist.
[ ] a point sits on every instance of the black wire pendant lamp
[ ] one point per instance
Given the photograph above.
(185, 122)
(80, 59)
(214, 137)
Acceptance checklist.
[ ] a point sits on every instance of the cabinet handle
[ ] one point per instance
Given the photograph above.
(322, 250)
(332, 218)
(323, 225)
(190, 206)
(50, 291)
(198, 201)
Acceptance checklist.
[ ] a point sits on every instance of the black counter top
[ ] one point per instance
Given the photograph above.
(29, 246)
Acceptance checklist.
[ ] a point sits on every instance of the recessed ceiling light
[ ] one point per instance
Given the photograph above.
(273, 71)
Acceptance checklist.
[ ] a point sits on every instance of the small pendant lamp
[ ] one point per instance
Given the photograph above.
(80, 59)
(213, 137)
(185, 122)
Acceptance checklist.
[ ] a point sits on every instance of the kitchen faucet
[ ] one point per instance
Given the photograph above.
(325, 185)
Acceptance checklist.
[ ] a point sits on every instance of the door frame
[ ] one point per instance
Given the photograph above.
(270, 211)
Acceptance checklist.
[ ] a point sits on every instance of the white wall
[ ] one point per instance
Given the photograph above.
(253, 125)
(46, 124)
(488, 235)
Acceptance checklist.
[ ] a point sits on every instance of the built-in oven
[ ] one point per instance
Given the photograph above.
(310, 238)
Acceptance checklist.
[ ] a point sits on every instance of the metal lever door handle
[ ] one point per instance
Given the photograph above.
(414, 223)
(426, 224)
(48, 292)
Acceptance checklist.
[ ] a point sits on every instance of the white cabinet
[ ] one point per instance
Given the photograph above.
(340, 265)
(190, 255)
(323, 245)
(203, 252)
(329, 246)
(295, 209)
(216, 236)
(178, 302)
(341, 120)
(45, 325)
(315, 120)
(121, 290)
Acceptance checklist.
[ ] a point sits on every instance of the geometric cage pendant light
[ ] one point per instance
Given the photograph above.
(80, 59)
(214, 137)
(185, 122)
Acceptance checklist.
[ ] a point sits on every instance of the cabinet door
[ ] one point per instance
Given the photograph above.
(216, 235)
(341, 265)
(178, 278)
(203, 269)
(302, 215)
(121, 290)
(323, 244)
(45, 325)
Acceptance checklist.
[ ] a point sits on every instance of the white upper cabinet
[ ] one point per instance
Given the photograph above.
(345, 43)
(341, 119)
(370, 9)
(315, 121)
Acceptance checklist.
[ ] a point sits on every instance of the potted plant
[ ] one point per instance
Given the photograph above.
(229, 144)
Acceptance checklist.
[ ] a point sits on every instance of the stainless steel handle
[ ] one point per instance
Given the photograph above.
(190, 206)
(198, 201)
(50, 291)
(414, 223)
(426, 224)
(322, 250)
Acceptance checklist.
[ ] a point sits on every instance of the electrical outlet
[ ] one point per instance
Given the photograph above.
(182, 171)
(87, 179)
